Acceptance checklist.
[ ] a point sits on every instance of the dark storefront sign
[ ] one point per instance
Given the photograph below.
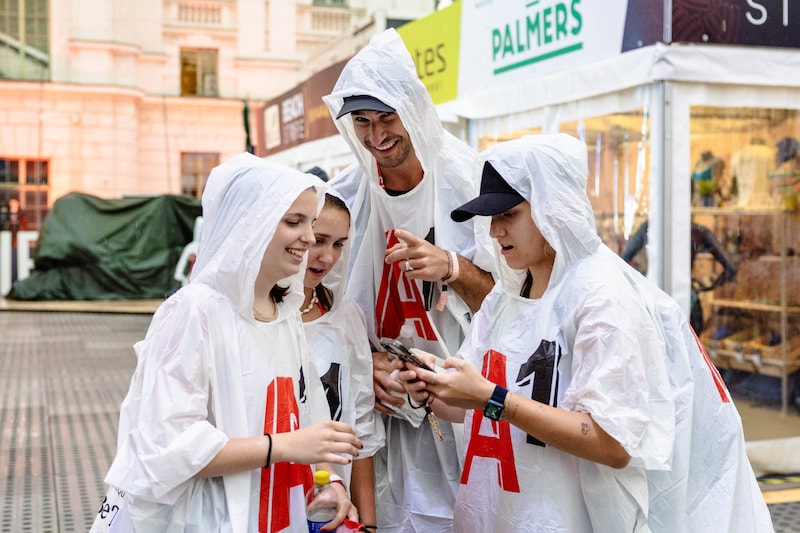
(743, 22)
(298, 115)
(747, 22)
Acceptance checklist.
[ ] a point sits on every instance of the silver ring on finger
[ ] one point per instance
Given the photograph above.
(409, 268)
(434, 380)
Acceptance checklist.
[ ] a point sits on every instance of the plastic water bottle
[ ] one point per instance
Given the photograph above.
(322, 502)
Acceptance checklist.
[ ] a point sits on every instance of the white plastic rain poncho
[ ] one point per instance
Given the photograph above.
(341, 354)
(208, 371)
(417, 464)
(602, 340)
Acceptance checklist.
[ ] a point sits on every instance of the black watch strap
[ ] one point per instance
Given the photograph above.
(497, 403)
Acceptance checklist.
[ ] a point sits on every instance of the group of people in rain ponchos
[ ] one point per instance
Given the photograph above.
(600, 340)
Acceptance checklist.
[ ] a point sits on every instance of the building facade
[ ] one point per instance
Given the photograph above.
(114, 98)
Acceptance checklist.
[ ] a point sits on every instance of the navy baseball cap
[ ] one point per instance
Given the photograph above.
(496, 197)
(363, 102)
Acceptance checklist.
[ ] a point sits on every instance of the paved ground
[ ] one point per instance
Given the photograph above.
(62, 378)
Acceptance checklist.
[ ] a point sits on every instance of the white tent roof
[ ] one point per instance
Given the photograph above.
(715, 64)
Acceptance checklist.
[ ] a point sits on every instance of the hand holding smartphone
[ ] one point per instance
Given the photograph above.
(397, 349)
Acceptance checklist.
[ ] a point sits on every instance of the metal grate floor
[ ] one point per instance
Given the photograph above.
(62, 379)
(785, 517)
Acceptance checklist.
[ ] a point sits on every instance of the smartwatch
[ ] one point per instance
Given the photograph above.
(496, 405)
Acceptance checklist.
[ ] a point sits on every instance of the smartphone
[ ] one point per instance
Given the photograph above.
(401, 351)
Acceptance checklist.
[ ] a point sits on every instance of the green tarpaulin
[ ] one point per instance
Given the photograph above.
(90, 248)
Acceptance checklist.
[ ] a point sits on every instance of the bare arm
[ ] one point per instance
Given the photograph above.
(473, 283)
(431, 263)
(362, 490)
(569, 431)
(447, 412)
(321, 442)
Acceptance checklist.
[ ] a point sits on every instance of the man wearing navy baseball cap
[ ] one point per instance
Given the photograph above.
(362, 102)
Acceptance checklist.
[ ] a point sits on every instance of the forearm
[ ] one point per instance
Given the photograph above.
(362, 490)
(324, 466)
(249, 453)
(239, 455)
(569, 431)
(473, 283)
(446, 412)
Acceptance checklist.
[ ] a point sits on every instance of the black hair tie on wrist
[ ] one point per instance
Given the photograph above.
(411, 403)
(269, 450)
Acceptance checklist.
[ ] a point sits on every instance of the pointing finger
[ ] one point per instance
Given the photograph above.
(409, 238)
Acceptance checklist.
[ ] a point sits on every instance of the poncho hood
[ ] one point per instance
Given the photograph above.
(622, 351)
(237, 227)
(384, 69)
(551, 172)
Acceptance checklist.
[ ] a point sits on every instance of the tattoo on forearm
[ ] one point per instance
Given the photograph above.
(584, 428)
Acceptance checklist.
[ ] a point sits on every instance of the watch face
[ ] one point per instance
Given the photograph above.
(493, 411)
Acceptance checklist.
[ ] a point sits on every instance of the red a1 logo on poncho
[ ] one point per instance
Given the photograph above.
(399, 299)
(498, 445)
(282, 416)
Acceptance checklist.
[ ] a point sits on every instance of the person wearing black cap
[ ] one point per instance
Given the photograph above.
(588, 402)
(412, 268)
(361, 102)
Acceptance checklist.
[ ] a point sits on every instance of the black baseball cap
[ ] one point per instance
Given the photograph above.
(496, 197)
(363, 102)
